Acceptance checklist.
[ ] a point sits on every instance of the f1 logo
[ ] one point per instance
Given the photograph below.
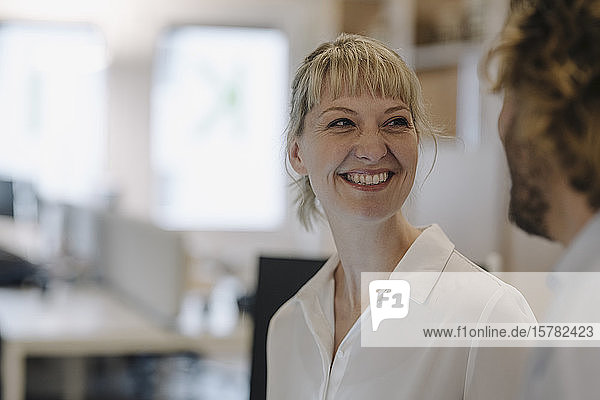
(388, 299)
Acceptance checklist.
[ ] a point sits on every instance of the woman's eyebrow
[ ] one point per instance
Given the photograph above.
(344, 109)
(396, 108)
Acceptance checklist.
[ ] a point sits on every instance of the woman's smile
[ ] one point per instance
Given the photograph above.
(368, 181)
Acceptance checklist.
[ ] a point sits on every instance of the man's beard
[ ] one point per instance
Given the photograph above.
(530, 176)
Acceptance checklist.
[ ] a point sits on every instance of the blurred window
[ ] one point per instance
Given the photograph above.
(219, 104)
(52, 107)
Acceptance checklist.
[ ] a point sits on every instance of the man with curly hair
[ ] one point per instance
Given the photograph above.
(549, 72)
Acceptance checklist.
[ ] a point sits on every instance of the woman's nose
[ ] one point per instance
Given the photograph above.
(370, 146)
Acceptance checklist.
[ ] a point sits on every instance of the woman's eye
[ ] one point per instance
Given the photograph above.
(400, 121)
(340, 123)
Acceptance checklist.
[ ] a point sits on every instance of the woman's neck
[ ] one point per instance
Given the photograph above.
(376, 247)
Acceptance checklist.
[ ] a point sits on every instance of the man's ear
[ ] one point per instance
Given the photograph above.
(296, 158)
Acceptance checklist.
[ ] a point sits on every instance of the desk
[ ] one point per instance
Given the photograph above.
(87, 321)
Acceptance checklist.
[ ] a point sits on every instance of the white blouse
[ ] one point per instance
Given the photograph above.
(301, 363)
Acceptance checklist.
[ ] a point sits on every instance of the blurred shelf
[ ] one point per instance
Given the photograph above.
(444, 54)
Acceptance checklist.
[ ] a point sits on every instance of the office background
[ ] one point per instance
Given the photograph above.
(130, 108)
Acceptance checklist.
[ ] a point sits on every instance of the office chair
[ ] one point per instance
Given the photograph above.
(17, 272)
(278, 280)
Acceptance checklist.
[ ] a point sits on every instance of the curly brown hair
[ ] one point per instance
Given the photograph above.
(549, 55)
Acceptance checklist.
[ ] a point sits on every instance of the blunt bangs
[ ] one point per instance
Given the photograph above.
(359, 71)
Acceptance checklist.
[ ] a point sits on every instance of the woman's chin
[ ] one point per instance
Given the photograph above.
(367, 214)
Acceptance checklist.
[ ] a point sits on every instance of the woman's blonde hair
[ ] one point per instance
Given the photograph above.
(349, 65)
(549, 55)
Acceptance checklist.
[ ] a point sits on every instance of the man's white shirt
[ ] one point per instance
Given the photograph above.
(571, 372)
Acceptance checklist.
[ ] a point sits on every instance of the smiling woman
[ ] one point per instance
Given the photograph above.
(356, 121)
(352, 68)
(359, 154)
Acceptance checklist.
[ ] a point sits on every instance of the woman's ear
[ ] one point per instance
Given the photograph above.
(296, 158)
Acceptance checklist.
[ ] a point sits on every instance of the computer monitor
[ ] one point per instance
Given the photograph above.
(81, 236)
(278, 280)
(143, 263)
(6, 198)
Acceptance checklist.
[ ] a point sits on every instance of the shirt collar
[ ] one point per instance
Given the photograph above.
(321, 286)
(316, 300)
(582, 254)
(429, 253)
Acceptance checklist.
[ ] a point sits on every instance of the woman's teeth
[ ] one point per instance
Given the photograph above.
(365, 179)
